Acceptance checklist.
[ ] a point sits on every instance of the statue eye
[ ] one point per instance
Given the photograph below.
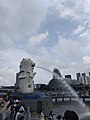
(29, 86)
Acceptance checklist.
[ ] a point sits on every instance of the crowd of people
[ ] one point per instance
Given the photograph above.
(68, 115)
(10, 111)
(17, 112)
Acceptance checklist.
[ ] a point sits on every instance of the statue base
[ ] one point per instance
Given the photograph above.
(36, 101)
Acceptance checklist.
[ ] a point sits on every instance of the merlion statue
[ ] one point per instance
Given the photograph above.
(26, 75)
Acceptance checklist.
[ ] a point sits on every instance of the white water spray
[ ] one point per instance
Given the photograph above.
(84, 108)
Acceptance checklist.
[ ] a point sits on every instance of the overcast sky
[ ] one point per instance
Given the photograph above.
(53, 33)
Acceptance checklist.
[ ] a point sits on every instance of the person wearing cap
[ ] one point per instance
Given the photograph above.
(16, 101)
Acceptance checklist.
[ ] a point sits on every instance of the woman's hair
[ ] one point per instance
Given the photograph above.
(70, 115)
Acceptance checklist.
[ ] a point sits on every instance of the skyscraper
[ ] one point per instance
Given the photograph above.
(78, 75)
(68, 76)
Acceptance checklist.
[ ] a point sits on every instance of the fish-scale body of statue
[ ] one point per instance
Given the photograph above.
(26, 75)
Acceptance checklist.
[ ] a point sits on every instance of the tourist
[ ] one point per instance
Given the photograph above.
(70, 115)
(41, 115)
(4, 109)
(51, 116)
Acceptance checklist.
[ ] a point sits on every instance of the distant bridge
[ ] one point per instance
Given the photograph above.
(63, 97)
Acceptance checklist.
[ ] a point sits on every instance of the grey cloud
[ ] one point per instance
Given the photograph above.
(68, 49)
(7, 76)
(20, 18)
(86, 60)
(36, 40)
(75, 10)
(71, 55)
(5, 42)
(78, 30)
